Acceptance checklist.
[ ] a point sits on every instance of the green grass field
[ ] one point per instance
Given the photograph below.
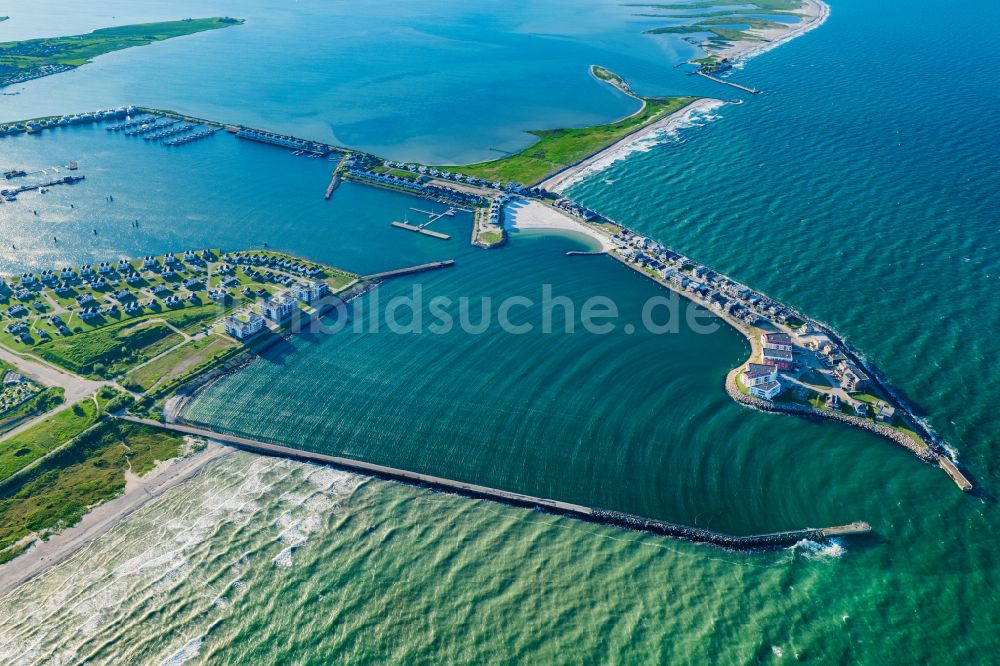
(179, 362)
(109, 351)
(63, 488)
(30, 56)
(559, 148)
(35, 442)
(725, 34)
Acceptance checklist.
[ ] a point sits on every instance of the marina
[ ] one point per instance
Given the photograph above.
(739, 305)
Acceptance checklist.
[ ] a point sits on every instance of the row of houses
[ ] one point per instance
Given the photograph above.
(277, 309)
(682, 273)
(62, 121)
(510, 187)
(578, 210)
(286, 264)
(431, 191)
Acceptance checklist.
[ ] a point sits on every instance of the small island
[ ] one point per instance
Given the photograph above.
(34, 58)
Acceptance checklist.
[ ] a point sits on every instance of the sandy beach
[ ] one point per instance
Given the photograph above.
(525, 214)
(623, 146)
(138, 491)
(814, 13)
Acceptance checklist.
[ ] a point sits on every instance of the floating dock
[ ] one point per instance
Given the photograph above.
(752, 91)
(617, 518)
(421, 230)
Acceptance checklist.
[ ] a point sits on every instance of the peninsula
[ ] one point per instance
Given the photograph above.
(730, 35)
(34, 58)
(559, 149)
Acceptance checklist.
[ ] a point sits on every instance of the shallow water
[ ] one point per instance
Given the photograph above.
(862, 194)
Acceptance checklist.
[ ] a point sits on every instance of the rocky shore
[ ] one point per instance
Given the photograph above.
(919, 450)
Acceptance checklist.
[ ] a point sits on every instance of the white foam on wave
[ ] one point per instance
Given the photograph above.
(671, 131)
(814, 550)
(284, 558)
(189, 651)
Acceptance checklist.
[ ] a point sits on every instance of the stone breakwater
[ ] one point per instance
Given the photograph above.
(896, 436)
(617, 518)
(729, 541)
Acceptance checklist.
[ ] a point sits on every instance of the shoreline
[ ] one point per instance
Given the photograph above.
(623, 147)
(930, 449)
(532, 214)
(139, 490)
(742, 51)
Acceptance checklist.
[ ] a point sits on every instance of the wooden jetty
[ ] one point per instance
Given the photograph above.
(753, 91)
(617, 518)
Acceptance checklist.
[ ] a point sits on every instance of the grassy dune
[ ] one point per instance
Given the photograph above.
(26, 447)
(63, 488)
(559, 148)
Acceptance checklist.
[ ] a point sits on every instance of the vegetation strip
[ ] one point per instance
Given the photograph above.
(33, 58)
(57, 493)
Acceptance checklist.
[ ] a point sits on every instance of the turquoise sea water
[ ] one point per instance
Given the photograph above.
(860, 187)
(443, 81)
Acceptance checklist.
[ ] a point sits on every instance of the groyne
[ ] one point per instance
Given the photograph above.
(616, 518)
(434, 265)
(752, 91)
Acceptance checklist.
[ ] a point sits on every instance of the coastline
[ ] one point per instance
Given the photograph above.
(531, 214)
(625, 146)
(816, 13)
(139, 490)
(929, 449)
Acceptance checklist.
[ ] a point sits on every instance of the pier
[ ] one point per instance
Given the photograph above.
(434, 265)
(422, 228)
(945, 463)
(616, 518)
(335, 178)
(66, 180)
(752, 91)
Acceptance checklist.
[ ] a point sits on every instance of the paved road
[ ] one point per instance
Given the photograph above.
(43, 373)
